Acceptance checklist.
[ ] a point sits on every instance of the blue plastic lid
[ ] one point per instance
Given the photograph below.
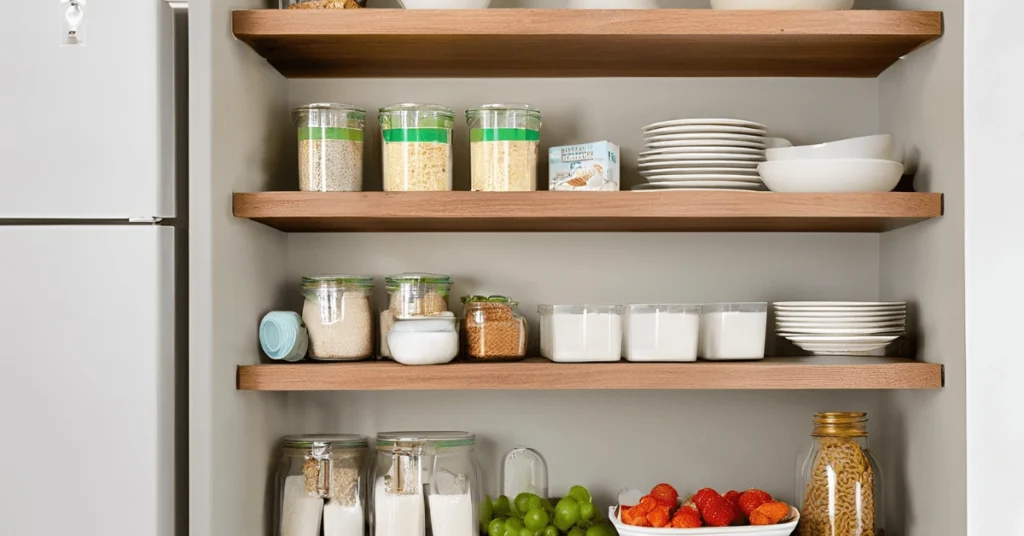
(283, 337)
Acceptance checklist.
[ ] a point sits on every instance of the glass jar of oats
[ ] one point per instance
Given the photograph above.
(338, 315)
(504, 140)
(839, 481)
(330, 147)
(416, 146)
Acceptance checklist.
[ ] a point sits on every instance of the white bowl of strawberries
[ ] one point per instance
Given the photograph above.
(705, 513)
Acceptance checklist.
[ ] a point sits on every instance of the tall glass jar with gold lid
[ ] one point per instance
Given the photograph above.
(839, 482)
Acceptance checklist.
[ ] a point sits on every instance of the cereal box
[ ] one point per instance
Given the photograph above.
(588, 166)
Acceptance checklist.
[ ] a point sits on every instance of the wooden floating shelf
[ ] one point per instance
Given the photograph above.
(574, 43)
(586, 211)
(772, 373)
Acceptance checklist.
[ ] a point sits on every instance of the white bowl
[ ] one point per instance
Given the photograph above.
(444, 4)
(878, 147)
(782, 4)
(612, 4)
(827, 176)
(781, 529)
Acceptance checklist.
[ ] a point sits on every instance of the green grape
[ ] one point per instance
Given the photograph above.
(576, 531)
(567, 513)
(496, 527)
(528, 532)
(581, 494)
(551, 530)
(548, 506)
(509, 531)
(536, 519)
(486, 513)
(501, 506)
(522, 502)
(536, 502)
(600, 529)
(587, 511)
(514, 523)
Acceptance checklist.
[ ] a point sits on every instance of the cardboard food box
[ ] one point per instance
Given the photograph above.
(587, 166)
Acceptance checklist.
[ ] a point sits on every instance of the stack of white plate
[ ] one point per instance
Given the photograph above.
(841, 328)
(689, 154)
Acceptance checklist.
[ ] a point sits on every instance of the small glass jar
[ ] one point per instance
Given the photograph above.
(411, 295)
(330, 147)
(416, 147)
(839, 482)
(320, 481)
(580, 333)
(420, 472)
(494, 329)
(322, 4)
(338, 316)
(504, 141)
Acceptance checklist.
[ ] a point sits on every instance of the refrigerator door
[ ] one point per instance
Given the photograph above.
(86, 386)
(88, 130)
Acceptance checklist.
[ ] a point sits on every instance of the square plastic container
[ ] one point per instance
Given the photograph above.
(733, 331)
(653, 332)
(580, 333)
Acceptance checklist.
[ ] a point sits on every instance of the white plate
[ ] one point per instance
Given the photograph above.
(868, 316)
(781, 529)
(707, 121)
(728, 185)
(666, 164)
(657, 136)
(790, 325)
(838, 304)
(843, 339)
(704, 177)
(706, 129)
(657, 141)
(890, 310)
(638, 189)
(749, 173)
(835, 331)
(704, 149)
(647, 156)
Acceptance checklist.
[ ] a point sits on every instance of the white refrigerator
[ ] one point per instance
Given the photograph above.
(93, 163)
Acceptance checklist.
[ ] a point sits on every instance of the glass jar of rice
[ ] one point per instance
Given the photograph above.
(416, 145)
(338, 315)
(330, 147)
(504, 140)
(839, 481)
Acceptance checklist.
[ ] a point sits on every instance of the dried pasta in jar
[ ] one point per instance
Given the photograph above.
(416, 146)
(504, 144)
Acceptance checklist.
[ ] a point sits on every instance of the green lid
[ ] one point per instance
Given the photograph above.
(393, 282)
(489, 299)
(337, 280)
(433, 439)
(333, 440)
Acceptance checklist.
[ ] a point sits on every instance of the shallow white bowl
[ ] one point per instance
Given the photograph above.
(445, 4)
(782, 529)
(877, 147)
(839, 175)
(782, 4)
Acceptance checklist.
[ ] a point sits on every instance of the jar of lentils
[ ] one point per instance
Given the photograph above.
(504, 141)
(330, 147)
(338, 316)
(416, 146)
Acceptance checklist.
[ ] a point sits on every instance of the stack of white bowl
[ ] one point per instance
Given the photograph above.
(689, 154)
(862, 164)
(841, 328)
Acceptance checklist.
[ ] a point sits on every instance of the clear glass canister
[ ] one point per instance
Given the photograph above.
(839, 482)
(504, 141)
(416, 146)
(425, 480)
(580, 333)
(411, 295)
(320, 481)
(322, 4)
(330, 147)
(338, 316)
(494, 329)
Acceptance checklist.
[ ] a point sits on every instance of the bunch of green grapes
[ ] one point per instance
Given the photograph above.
(530, 515)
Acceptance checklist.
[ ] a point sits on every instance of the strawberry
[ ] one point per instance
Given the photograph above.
(751, 499)
(665, 495)
(647, 503)
(717, 512)
(659, 517)
(630, 516)
(702, 497)
(687, 518)
(769, 513)
(733, 498)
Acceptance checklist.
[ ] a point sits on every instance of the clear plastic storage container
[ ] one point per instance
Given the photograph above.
(580, 333)
(425, 480)
(839, 482)
(504, 141)
(661, 332)
(411, 295)
(494, 329)
(320, 481)
(330, 147)
(338, 316)
(424, 340)
(733, 331)
(416, 146)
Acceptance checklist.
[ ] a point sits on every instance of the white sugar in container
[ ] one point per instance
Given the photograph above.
(580, 333)
(733, 331)
(653, 332)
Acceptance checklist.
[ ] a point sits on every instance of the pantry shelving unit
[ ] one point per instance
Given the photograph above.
(539, 373)
(586, 211)
(564, 43)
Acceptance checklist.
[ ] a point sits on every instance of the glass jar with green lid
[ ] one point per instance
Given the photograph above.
(416, 146)
(330, 147)
(339, 317)
(321, 482)
(412, 295)
(414, 470)
(504, 142)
